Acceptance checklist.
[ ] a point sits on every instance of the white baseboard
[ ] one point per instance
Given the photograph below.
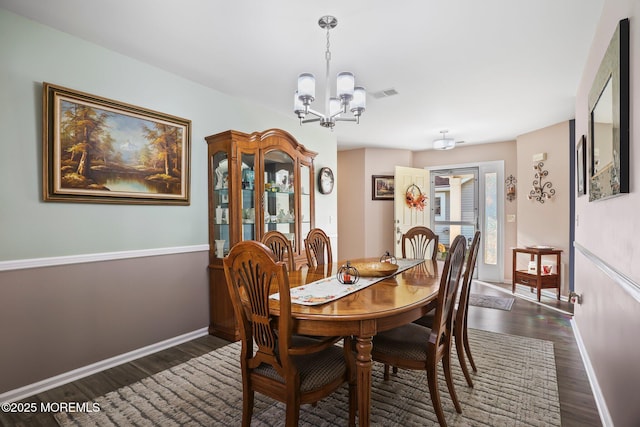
(605, 417)
(76, 374)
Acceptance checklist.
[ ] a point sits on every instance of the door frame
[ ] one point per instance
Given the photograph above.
(492, 274)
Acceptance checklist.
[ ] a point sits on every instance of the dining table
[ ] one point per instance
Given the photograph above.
(388, 303)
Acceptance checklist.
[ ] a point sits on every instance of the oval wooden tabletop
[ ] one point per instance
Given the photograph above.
(415, 287)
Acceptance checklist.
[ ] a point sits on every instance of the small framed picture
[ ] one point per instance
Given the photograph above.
(581, 166)
(382, 187)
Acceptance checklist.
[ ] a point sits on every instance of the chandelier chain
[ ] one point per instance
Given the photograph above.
(328, 52)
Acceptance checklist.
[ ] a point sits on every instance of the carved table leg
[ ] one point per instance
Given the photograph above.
(363, 372)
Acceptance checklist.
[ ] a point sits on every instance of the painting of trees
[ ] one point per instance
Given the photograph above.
(104, 149)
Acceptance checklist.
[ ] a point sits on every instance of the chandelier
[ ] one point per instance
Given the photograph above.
(444, 143)
(349, 98)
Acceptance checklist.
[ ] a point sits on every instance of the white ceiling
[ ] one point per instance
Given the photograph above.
(485, 70)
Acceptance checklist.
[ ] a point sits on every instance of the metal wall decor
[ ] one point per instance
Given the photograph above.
(540, 190)
(510, 187)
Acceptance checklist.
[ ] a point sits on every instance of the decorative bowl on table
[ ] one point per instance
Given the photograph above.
(375, 269)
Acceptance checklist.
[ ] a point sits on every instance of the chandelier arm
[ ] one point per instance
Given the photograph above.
(346, 119)
(310, 120)
(315, 113)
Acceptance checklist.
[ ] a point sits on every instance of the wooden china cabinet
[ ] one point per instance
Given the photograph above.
(258, 182)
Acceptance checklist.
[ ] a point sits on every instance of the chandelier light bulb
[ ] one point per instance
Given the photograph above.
(345, 86)
(306, 88)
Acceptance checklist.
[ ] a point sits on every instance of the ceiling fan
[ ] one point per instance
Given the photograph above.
(445, 143)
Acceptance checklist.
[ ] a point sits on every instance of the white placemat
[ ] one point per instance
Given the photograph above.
(330, 289)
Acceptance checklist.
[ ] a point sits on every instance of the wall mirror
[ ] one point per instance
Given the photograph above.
(609, 120)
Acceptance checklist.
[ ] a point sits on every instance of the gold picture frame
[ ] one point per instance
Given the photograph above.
(97, 150)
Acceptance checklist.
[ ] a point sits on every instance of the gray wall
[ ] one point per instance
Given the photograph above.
(56, 319)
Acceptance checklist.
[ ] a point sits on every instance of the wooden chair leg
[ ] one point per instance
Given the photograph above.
(446, 364)
(353, 404)
(395, 369)
(386, 372)
(467, 349)
(432, 380)
(247, 406)
(349, 355)
(460, 351)
(293, 408)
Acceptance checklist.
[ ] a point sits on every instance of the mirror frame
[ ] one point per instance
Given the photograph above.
(614, 66)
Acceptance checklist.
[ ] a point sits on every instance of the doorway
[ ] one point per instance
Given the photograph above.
(466, 198)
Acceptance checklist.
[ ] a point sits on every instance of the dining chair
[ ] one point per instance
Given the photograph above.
(281, 247)
(461, 312)
(420, 239)
(417, 347)
(318, 248)
(291, 369)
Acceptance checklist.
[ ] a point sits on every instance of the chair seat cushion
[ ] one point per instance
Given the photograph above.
(316, 370)
(407, 342)
(426, 320)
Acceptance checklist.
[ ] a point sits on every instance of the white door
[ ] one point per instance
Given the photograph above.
(417, 181)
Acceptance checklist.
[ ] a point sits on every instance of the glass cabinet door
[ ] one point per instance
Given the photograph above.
(305, 200)
(248, 199)
(220, 167)
(279, 195)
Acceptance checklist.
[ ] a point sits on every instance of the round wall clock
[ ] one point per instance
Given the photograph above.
(325, 180)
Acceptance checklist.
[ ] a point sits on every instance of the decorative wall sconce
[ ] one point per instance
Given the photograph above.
(510, 187)
(541, 191)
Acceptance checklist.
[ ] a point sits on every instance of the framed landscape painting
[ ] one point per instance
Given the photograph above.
(96, 150)
(382, 187)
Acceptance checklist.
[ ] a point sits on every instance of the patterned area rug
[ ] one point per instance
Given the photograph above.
(489, 301)
(515, 385)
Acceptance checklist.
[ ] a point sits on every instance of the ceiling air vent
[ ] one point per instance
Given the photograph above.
(384, 93)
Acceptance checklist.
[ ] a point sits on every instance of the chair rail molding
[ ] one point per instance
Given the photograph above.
(22, 264)
(620, 278)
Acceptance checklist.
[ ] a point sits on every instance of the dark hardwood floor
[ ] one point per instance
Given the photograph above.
(526, 318)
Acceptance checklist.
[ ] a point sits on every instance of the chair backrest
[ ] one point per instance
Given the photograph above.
(252, 275)
(281, 247)
(419, 239)
(318, 248)
(441, 330)
(465, 287)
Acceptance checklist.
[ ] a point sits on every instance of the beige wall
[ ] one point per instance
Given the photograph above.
(505, 151)
(352, 194)
(545, 223)
(365, 226)
(608, 232)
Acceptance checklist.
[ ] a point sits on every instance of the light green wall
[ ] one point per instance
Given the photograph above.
(31, 53)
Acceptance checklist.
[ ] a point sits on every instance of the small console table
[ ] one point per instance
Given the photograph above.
(539, 280)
